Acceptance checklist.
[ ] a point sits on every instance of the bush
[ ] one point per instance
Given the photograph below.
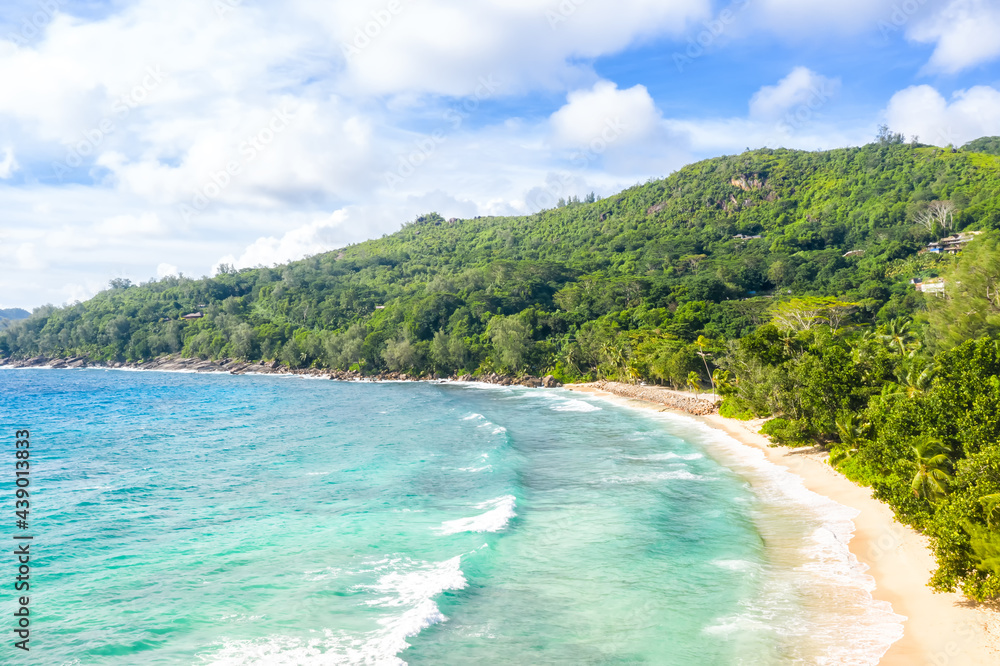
(788, 432)
(735, 407)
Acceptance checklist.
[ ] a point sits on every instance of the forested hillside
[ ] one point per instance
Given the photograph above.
(781, 278)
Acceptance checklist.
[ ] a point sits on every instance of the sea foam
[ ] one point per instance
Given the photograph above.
(856, 628)
(409, 586)
(501, 510)
(575, 406)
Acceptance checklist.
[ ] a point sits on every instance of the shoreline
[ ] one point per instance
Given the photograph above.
(940, 629)
(179, 364)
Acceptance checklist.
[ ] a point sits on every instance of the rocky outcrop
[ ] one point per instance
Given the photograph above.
(682, 402)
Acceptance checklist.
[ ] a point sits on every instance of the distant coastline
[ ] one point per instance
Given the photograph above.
(235, 367)
(940, 628)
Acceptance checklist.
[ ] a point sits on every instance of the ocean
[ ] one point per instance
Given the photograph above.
(214, 519)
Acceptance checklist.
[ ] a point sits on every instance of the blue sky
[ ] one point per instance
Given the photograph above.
(141, 138)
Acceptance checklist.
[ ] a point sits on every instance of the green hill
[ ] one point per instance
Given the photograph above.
(12, 314)
(987, 144)
(661, 255)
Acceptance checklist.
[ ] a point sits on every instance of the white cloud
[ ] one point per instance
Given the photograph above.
(605, 115)
(71, 293)
(303, 241)
(8, 165)
(120, 226)
(965, 33)
(924, 112)
(801, 88)
(444, 47)
(27, 257)
(799, 20)
(164, 270)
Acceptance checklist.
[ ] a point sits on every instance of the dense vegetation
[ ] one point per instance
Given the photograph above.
(781, 278)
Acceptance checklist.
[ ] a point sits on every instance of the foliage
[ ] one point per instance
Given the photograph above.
(788, 432)
(733, 407)
(970, 307)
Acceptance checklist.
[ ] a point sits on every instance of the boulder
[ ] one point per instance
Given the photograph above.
(550, 382)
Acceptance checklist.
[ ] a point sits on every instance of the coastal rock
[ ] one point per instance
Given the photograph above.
(677, 400)
(176, 363)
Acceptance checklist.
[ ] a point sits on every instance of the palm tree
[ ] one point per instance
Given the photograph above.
(702, 344)
(693, 381)
(917, 380)
(931, 480)
(851, 434)
(898, 336)
(720, 380)
(990, 503)
(617, 357)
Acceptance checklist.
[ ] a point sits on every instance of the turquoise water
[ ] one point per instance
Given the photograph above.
(211, 519)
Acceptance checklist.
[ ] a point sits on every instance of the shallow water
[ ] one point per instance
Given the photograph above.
(211, 519)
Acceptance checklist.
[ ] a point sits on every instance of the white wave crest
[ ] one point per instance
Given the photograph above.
(411, 588)
(675, 475)
(501, 510)
(575, 406)
(668, 456)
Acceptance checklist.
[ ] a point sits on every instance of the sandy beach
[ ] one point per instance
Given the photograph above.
(940, 629)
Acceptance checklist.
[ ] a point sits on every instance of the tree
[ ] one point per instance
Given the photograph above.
(886, 137)
(803, 314)
(938, 216)
(702, 344)
(931, 460)
(400, 354)
(970, 307)
(991, 505)
(917, 379)
(512, 342)
(441, 352)
(897, 336)
(694, 381)
(851, 432)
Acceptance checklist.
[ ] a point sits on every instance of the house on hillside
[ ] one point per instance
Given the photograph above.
(193, 315)
(952, 244)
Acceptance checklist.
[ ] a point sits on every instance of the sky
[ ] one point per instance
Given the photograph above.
(146, 138)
